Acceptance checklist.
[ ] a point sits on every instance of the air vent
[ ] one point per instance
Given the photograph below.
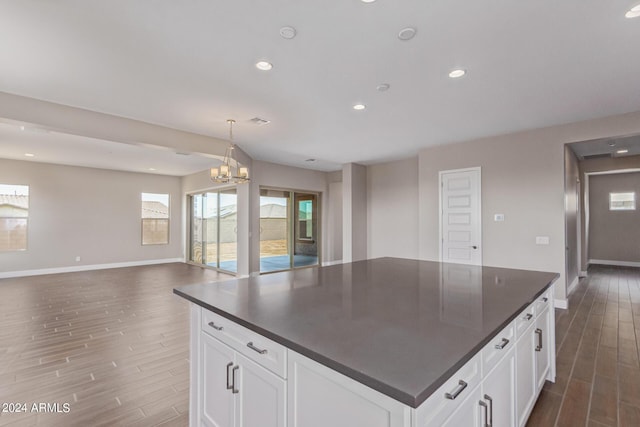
(597, 156)
(258, 121)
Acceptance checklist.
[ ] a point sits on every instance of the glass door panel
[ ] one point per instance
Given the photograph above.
(211, 229)
(275, 241)
(228, 230)
(305, 251)
(197, 224)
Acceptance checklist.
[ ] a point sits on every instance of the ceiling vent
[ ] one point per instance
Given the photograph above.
(597, 156)
(258, 121)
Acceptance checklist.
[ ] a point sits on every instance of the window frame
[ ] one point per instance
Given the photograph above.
(25, 218)
(167, 220)
(622, 208)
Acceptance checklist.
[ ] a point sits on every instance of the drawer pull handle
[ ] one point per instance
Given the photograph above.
(256, 349)
(461, 386)
(539, 333)
(502, 344)
(229, 386)
(488, 398)
(545, 299)
(217, 328)
(486, 413)
(234, 390)
(529, 316)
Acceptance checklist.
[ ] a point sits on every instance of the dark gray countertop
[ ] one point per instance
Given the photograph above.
(399, 326)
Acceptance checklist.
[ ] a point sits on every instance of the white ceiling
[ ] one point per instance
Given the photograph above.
(190, 65)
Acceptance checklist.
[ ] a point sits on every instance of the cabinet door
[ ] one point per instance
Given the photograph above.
(469, 413)
(261, 397)
(498, 392)
(542, 347)
(525, 375)
(217, 401)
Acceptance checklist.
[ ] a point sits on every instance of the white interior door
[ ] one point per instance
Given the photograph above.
(461, 217)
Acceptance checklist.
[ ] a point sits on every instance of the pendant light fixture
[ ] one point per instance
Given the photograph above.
(225, 173)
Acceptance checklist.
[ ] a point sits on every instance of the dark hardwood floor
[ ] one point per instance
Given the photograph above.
(112, 344)
(598, 370)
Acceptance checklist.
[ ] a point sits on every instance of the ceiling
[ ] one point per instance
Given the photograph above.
(190, 66)
(612, 147)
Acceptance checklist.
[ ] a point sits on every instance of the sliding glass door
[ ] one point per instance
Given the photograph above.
(288, 230)
(213, 231)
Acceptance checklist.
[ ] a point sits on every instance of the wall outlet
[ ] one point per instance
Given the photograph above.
(78, 259)
(542, 240)
(498, 217)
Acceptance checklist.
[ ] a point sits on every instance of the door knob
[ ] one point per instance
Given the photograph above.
(474, 247)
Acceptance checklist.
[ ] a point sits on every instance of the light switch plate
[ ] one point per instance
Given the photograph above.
(498, 217)
(542, 240)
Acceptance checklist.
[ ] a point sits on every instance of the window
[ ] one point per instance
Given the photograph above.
(155, 219)
(622, 201)
(14, 217)
(305, 219)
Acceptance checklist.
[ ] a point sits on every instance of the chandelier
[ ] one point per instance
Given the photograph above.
(225, 173)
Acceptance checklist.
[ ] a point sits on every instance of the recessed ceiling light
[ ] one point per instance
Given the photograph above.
(383, 87)
(288, 32)
(29, 155)
(359, 107)
(310, 160)
(22, 127)
(407, 33)
(264, 65)
(152, 169)
(367, 1)
(624, 151)
(457, 73)
(611, 143)
(634, 12)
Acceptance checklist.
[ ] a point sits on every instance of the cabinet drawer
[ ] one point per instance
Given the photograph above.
(493, 352)
(525, 319)
(447, 398)
(542, 302)
(261, 350)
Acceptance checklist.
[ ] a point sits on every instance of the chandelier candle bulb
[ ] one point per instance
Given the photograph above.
(224, 170)
(244, 172)
(214, 172)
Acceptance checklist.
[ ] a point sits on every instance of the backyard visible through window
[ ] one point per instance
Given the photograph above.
(14, 217)
(622, 201)
(155, 219)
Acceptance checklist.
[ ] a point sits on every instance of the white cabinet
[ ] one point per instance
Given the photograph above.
(230, 389)
(321, 397)
(525, 375)
(498, 392)
(542, 347)
(469, 412)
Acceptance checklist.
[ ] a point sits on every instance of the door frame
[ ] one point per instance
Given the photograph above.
(440, 207)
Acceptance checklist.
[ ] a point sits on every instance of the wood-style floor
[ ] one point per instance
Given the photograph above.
(112, 344)
(597, 341)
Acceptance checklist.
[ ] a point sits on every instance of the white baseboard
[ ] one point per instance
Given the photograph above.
(71, 269)
(561, 303)
(327, 263)
(572, 286)
(582, 273)
(618, 263)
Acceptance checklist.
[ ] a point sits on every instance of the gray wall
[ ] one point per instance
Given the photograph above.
(613, 235)
(571, 200)
(392, 194)
(91, 213)
(354, 212)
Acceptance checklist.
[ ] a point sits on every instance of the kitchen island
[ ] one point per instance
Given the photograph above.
(388, 342)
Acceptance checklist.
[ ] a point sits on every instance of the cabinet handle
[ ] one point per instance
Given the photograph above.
(539, 333)
(545, 299)
(488, 398)
(486, 413)
(213, 325)
(229, 386)
(461, 386)
(254, 348)
(234, 390)
(529, 316)
(502, 344)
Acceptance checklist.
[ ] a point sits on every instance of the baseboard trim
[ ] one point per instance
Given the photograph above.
(328, 263)
(611, 262)
(75, 268)
(561, 303)
(573, 285)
